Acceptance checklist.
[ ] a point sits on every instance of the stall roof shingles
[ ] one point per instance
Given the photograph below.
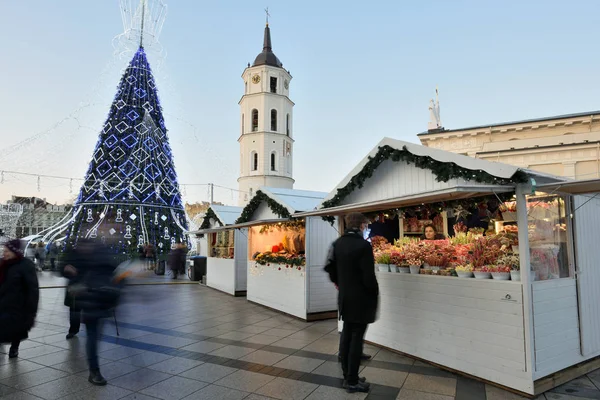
(227, 214)
(295, 200)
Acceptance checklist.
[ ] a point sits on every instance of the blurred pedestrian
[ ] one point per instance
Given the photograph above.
(19, 296)
(351, 268)
(95, 292)
(53, 254)
(177, 259)
(40, 255)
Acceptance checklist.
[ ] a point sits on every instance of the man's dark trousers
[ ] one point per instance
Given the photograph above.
(351, 348)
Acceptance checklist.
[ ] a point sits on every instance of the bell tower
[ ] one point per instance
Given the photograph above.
(266, 134)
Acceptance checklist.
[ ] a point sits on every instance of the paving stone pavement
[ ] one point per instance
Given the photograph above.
(192, 342)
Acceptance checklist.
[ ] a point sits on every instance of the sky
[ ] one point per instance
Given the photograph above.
(361, 71)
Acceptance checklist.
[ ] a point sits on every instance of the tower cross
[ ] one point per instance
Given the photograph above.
(268, 15)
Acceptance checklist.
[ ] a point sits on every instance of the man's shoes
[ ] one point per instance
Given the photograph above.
(360, 387)
(361, 379)
(71, 335)
(363, 357)
(96, 378)
(13, 353)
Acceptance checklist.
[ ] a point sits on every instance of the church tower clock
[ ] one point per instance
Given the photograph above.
(266, 134)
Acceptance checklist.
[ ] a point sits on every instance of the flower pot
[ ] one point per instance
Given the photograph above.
(501, 276)
(433, 268)
(482, 275)
(414, 269)
(515, 275)
(464, 274)
(509, 216)
(383, 267)
(404, 270)
(393, 268)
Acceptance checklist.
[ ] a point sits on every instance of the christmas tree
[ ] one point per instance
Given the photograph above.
(130, 196)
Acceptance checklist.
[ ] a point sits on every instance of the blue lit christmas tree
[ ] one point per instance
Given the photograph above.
(130, 193)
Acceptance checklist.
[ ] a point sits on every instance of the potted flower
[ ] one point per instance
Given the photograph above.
(464, 271)
(512, 262)
(414, 265)
(398, 261)
(382, 262)
(500, 273)
(482, 272)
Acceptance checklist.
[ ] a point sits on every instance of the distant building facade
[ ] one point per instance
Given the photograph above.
(38, 215)
(564, 145)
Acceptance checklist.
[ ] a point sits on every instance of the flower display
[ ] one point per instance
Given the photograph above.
(383, 258)
(510, 261)
(465, 268)
(416, 262)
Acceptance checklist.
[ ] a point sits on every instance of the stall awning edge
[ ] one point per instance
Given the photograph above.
(572, 187)
(455, 193)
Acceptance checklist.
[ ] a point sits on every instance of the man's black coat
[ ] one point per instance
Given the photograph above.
(351, 267)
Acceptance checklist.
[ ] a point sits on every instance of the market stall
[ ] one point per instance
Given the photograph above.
(286, 256)
(500, 298)
(226, 265)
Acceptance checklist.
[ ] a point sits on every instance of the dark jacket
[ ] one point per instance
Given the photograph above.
(351, 267)
(176, 259)
(90, 289)
(19, 296)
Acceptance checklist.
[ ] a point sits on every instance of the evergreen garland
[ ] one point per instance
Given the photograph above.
(253, 205)
(443, 172)
(206, 221)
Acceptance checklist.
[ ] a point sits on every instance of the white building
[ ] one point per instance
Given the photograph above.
(266, 140)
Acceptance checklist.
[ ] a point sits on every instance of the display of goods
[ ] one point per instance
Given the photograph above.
(426, 272)
(510, 261)
(378, 241)
(459, 228)
(414, 262)
(397, 258)
(560, 227)
(476, 231)
(464, 268)
(413, 224)
(511, 228)
(280, 258)
(438, 223)
(384, 258)
(486, 251)
(508, 206)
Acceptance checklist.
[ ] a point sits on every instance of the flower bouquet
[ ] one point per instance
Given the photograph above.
(378, 242)
(398, 260)
(415, 265)
(464, 271)
(459, 228)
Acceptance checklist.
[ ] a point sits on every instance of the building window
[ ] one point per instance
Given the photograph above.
(287, 124)
(273, 160)
(254, 120)
(245, 87)
(243, 130)
(273, 85)
(274, 120)
(254, 160)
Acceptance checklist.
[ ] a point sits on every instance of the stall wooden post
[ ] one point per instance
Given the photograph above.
(522, 222)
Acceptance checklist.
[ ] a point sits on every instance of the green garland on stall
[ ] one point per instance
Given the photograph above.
(210, 214)
(253, 205)
(443, 172)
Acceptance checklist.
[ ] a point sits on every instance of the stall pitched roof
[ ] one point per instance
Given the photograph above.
(282, 202)
(227, 214)
(295, 200)
(501, 171)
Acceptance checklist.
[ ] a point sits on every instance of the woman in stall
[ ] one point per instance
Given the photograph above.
(430, 233)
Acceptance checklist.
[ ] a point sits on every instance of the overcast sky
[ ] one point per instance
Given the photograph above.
(361, 71)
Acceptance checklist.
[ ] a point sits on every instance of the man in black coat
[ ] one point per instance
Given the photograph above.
(19, 296)
(351, 268)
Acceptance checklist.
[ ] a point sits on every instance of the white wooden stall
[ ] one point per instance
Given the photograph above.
(305, 293)
(529, 336)
(227, 274)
